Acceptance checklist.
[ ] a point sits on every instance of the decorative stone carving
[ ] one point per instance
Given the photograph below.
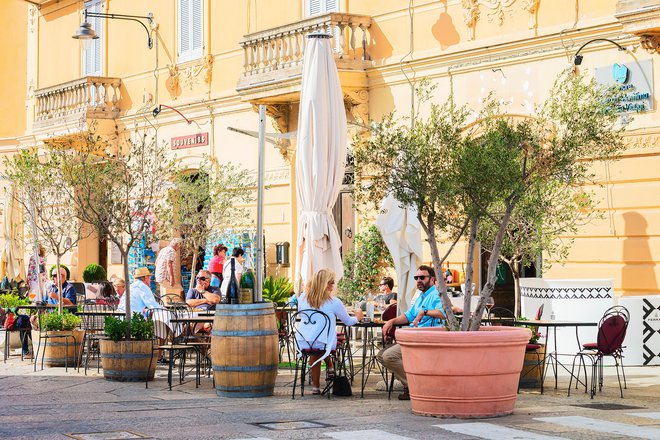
(357, 103)
(532, 6)
(172, 83)
(32, 18)
(499, 8)
(192, 74)
(471, 16)
(650, 42)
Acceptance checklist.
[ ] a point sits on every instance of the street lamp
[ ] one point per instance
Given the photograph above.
(85, 31)
(577, 60)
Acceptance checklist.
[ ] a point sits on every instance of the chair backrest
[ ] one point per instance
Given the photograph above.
(311, 329)
(162, 319)
(501, 316)
(539, 313)
(389, 312)
(94, 323)
(612, 329)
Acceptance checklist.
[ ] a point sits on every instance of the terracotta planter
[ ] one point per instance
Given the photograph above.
(463, 374)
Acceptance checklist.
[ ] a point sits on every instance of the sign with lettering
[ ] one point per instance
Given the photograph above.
(190, 141)
(635, 79)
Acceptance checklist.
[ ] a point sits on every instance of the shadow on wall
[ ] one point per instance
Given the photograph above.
(379, 46)
(445, 32)
(638, 272)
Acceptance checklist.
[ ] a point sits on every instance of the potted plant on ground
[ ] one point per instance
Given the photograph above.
(459, 175)
(8, 304)
(58, 339)
(128, 359)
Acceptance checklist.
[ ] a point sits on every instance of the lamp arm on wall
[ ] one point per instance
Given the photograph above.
(577, 60)
(135, 18)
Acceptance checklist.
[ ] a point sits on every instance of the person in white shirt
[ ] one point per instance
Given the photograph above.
(320, 296)
(238, 255)
(141, 295)
(165, 266)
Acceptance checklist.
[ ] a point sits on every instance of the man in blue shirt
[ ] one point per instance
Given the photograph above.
(426, 311)
(53, 295)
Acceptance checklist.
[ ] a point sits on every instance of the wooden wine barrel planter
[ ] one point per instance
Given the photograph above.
(127, 361)
(57, 352)
(530, 376)
(244, 350)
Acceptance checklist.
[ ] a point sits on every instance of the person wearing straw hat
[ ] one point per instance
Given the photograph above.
(141, 295)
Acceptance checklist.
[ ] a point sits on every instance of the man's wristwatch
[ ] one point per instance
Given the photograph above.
(425, 312)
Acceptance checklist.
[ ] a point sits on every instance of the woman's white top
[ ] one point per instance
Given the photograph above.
(226, 274)
(307, 331)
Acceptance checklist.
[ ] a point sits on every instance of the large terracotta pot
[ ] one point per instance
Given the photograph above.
(463, 374)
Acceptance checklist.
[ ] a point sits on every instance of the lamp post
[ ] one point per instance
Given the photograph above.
(577, 59)
(85, 31)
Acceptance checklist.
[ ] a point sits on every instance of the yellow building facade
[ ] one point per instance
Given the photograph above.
(216, 60)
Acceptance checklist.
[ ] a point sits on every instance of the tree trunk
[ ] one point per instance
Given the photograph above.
(439, 279)
(492, 266)
(515, 271)
(59, 284)
(127, 293)
(467, 300)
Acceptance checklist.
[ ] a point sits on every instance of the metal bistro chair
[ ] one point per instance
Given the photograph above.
(310, 345)
(168, 338)
(612, 330)
(533, 350)
(389, 339)
(94, 327)
(285, 333)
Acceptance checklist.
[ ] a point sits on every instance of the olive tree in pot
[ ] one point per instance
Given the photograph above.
(459, 175)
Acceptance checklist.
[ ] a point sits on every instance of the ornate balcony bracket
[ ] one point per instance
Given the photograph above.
(91, 97)
(280, 113)
(642, 19)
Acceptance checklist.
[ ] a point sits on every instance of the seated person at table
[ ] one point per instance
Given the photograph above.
(320, 296)
(203, 296)
(386, 295)
(52, 294)
(426, 311)
(141, 295)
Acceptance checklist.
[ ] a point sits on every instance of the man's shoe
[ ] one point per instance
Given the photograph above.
(405, 395)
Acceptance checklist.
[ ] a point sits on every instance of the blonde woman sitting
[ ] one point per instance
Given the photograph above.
(320, 297)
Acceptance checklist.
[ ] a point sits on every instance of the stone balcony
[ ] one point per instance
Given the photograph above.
(74, 103)
(272, 63)
(642, 19)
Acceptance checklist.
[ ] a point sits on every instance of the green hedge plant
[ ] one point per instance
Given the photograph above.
(277, 290)
(59, 321)
(141, 329)
(94, 272)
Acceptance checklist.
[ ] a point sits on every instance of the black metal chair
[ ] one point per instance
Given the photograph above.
(168, 338)
(612, 330)
(94, 327)
(311, 331)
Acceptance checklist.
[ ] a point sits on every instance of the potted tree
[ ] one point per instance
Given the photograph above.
(117, 191)
(62, 340)
(128, 360)
(458, 174)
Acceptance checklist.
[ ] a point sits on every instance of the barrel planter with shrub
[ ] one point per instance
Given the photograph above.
(128, 360)
(244, 350)
(58, 341)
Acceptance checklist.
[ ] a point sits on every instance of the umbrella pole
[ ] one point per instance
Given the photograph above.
(37, 256)
(260, 204)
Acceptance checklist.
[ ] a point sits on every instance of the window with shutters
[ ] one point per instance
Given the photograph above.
(315, 7)
(190, 31)
(93, 50)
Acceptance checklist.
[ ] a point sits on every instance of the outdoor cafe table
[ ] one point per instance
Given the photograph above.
(114, 313)
(552, 358)
(45, 306)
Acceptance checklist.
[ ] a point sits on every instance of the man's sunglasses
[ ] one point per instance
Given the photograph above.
(202, 278)
(420, 277)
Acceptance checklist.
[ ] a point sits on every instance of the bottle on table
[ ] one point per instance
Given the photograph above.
(233, 292)
(370, 307)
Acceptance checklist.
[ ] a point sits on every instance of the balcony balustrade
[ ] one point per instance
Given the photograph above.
(275, 56)
(91, 97)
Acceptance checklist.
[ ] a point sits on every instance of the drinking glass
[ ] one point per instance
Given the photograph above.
(490, 302)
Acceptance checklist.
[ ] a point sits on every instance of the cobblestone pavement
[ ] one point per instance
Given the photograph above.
(54, 404)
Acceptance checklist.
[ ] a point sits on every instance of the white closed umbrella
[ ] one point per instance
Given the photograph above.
(12, 263)
(320, 156)
(401, 233)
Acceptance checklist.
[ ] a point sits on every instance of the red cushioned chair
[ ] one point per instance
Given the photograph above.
(609, 342)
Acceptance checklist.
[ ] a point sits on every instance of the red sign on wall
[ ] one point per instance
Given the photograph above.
(190, 141)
